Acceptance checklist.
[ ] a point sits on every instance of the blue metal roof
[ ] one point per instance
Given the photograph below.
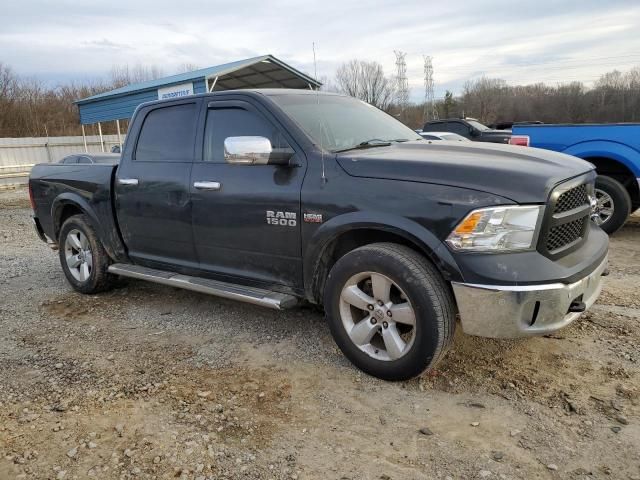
(255, 72)
(196, 75)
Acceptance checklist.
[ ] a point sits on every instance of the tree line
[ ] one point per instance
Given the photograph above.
(30, 108)
(614, 97)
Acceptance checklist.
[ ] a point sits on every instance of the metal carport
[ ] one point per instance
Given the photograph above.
(265, 71)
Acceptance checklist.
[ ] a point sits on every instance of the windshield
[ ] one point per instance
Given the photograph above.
(340, 123)
(478, 125)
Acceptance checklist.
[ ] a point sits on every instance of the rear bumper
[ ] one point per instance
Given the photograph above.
(512, 311)
(38, 229)
(40, 232)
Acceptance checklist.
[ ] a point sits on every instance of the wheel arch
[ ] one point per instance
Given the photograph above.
(617, 170)
(67, 205)
(347, 232)
(614, 160)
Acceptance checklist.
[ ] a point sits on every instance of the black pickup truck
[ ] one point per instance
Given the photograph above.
(469, 128)
(276, 197)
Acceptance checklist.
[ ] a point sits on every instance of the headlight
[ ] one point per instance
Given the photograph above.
(497, 229)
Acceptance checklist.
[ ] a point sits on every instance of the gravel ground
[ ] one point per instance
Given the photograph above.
(148, 381)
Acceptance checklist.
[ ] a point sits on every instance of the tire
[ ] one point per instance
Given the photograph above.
(368, 336)
(613, 204)
(83, 258)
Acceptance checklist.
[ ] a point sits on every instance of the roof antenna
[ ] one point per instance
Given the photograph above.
(315, 74)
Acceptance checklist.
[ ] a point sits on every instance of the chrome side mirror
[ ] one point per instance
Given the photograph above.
(247, 150)
(255, 151)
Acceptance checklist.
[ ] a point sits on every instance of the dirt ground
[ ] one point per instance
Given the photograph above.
(148, 381)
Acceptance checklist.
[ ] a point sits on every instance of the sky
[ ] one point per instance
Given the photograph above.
(522, 42)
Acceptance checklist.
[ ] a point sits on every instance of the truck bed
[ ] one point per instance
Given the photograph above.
(77, 186)
(559, 137)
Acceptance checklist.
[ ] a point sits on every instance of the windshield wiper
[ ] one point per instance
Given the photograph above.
(374, 142)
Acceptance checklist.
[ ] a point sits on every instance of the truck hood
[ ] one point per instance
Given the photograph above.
(521, 174)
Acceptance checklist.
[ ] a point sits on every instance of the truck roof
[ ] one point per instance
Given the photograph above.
(269, 92)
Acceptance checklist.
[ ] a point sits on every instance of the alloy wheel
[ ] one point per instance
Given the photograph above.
(377, 316)
(604, 207)
(77, 252)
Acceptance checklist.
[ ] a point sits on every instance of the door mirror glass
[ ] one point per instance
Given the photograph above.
(252, 150)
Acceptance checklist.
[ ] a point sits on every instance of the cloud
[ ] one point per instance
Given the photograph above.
(529, 42)
(105, 44)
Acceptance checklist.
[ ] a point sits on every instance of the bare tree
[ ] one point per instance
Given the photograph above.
(187, 67)
(366, 81)
(122, 75)
(486, 96)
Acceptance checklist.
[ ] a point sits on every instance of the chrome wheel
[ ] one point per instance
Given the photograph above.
(77, 253)
(377, 316)
(604, 207)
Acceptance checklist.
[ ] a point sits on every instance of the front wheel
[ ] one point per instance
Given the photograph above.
(613, 204)
(389, 310)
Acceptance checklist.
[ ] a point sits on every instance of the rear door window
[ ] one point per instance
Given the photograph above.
(168, 134)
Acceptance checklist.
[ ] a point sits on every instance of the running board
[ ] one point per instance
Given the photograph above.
(242, 293)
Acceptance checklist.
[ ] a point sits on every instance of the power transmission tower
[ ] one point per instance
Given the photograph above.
(402, 85)
(430, 111)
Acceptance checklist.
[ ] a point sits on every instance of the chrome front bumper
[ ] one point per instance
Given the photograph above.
(512, 311)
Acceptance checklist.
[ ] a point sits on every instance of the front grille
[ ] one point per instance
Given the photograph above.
(566, 223)
(574, 198)
(564, 234)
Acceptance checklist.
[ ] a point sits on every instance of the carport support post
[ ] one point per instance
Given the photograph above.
(119, 136)
(101, 140)
(213, 84)
(84, 139)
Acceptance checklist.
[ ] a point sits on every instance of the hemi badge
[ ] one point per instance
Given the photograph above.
(313, 217)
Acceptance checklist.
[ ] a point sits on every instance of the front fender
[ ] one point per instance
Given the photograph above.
(411, 231)
(624, 154)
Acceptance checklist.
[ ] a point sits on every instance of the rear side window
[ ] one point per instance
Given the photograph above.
(168, 134)
(69, 159)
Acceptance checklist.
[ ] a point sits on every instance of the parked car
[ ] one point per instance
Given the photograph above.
(614, 149)
(276, 197)
(90, 158)
(451, 137)
(469, 128)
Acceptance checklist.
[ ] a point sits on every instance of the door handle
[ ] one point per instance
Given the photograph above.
(128, 181)
(207, 185)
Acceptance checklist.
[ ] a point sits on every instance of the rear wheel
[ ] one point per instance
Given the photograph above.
(82, 256)
(613, 204)
(389, 310)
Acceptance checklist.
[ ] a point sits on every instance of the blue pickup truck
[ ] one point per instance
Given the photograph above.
(614, 149)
